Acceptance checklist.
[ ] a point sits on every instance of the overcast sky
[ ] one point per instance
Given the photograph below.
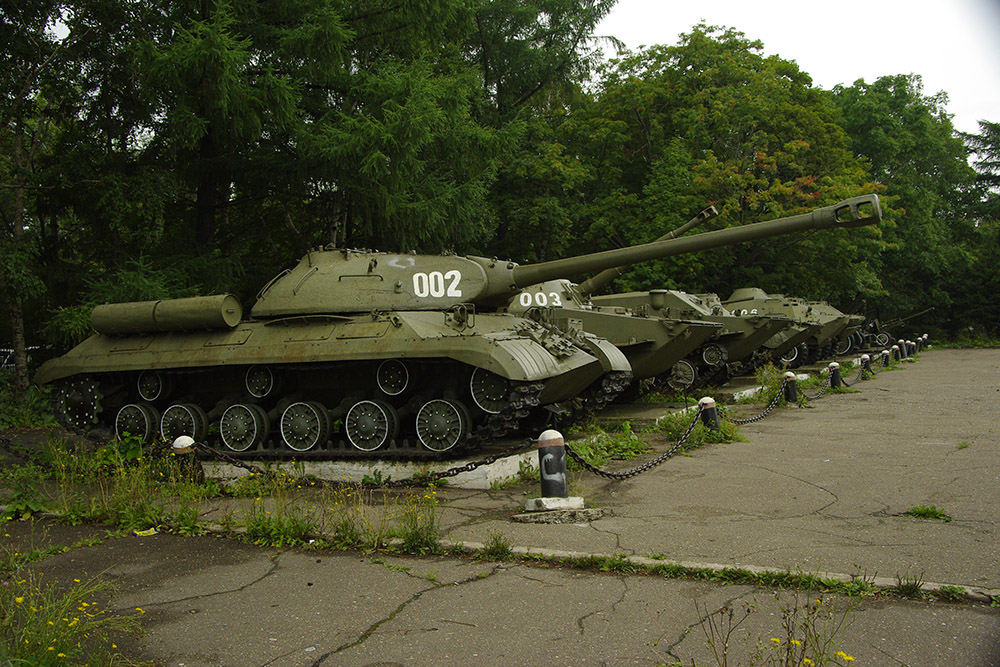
(953, 44)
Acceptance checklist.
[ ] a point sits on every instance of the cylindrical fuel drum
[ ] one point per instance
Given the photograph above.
(219, 311)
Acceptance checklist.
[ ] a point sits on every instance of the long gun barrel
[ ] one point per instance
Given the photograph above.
(591, 285)
(847, 213)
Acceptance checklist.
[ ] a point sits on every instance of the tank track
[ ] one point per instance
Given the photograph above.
(596, 396)
(524, 397)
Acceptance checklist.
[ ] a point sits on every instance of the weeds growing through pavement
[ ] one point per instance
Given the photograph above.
(927, 512)
(497, 547)
(810, 626)
(46, 623)
(909, 587)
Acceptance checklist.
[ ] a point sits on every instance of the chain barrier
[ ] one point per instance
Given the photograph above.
(826, 385)
(774, 402)
(625, 474)
(857, 378)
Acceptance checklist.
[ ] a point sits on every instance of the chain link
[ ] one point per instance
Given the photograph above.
(826, 385)
(645, 466)
(774, 402)
(857, 378)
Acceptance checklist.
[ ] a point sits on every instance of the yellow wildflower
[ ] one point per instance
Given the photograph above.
(806, 661)
(19, 600)
(843, 656)
(775, 640)
(796, 642)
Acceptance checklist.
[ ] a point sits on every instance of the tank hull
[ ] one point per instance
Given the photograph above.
(330, 365)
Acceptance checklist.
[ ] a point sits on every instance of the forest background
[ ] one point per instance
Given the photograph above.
(164, 148)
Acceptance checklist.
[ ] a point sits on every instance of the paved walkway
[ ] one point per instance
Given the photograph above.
(818, 489)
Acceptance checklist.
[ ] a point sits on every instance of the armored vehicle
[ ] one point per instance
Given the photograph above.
(407, 353)
(712, 332)
(735, 349)
(818, 324)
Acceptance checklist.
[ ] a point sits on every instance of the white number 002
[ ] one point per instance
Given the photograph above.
(437, 284)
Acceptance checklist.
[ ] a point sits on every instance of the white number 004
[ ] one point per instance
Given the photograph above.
(437, 284)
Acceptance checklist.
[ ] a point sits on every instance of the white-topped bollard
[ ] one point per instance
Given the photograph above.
(184, 444)
(835, 380)
(866, 363)
(791, 388)
(895, 353)
(885, 357)
(709, 413)
(552, 471)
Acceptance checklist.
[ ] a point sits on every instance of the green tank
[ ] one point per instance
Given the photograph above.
(353, 352)
(735, 349)
(716, 341)
(817, 324)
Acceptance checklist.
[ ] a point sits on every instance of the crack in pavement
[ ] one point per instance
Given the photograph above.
(671, 649)
(403, 605)
(238, 589)
(614, 605)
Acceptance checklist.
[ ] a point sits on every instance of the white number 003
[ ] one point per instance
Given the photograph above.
(437, 284)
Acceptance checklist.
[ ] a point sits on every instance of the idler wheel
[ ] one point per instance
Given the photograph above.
(882, 339)
(77, 404)
(305, 425)
(371, 424)
(152, 385)
(141, 420)
(490, 391)
(442, 424)
(184, 419)
(682, 375)
(259, 381)
(714, 354)
(791, 357)
(843, 346)
(392, 377)
(243, 426)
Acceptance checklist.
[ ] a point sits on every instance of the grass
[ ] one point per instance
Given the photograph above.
(808, 633)
(927, 512)
(526, 474)
(497, 547)
(48, 623)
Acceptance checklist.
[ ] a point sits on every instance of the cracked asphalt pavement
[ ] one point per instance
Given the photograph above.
(818, 489)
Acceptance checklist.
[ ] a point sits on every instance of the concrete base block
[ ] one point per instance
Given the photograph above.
(545, 504)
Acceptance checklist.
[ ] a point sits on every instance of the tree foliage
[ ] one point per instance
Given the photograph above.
(171, 147)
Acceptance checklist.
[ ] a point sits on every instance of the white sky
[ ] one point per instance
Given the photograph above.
(953, 44)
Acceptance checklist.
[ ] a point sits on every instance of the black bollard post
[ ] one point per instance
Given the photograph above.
(835, 375)
(791, 388)
(552, 464)
(184, 447)
(885, 358)
(866, 364)
(895, 353)
(916, 345)
(709, 413)
(903, 352)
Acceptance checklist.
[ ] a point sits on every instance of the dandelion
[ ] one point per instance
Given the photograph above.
(19, 600)
(60, 655)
